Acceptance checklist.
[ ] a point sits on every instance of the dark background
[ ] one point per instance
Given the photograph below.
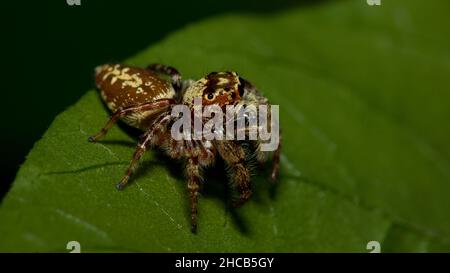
(52, 48)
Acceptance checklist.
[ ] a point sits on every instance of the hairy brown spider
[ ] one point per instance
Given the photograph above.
(142, 98)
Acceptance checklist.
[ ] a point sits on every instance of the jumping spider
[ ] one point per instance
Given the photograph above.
(143, 98)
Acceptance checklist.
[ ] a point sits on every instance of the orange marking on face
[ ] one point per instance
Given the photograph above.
(220, 100)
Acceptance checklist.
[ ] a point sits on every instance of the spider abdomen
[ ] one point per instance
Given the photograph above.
(123, 86)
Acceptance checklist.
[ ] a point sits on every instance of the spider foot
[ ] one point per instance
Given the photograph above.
(243, 198)
(194, 228)
(121, 185)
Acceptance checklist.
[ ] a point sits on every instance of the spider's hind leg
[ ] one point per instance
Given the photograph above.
(128, 110)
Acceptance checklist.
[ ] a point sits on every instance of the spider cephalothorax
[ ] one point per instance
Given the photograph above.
(142, 98)
(221, 88)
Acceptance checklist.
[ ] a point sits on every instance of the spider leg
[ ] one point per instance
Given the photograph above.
(262, 156)
(276, 162)
(127, 110)
(193, 176)
(169, 71)
(242, 179)
(235, 157)
(140, 150)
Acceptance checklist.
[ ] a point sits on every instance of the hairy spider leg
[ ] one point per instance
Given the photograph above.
(127, 110)
(193, 175)
(140, 150)
(235, 157)
(276, 162)
(169, 71)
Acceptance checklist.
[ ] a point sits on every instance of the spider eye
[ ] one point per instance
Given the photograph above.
(210, 96)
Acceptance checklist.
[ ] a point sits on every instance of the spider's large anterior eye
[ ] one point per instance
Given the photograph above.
(210, 96)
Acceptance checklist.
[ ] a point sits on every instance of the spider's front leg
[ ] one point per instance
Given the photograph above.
(169, 71)
(234, 155)
(276, 162)
(262, 157)
(193, 177)
(127, 110)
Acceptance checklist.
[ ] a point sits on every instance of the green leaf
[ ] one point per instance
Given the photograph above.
(364, 101)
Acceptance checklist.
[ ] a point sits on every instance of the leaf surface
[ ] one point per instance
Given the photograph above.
(364, 110)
